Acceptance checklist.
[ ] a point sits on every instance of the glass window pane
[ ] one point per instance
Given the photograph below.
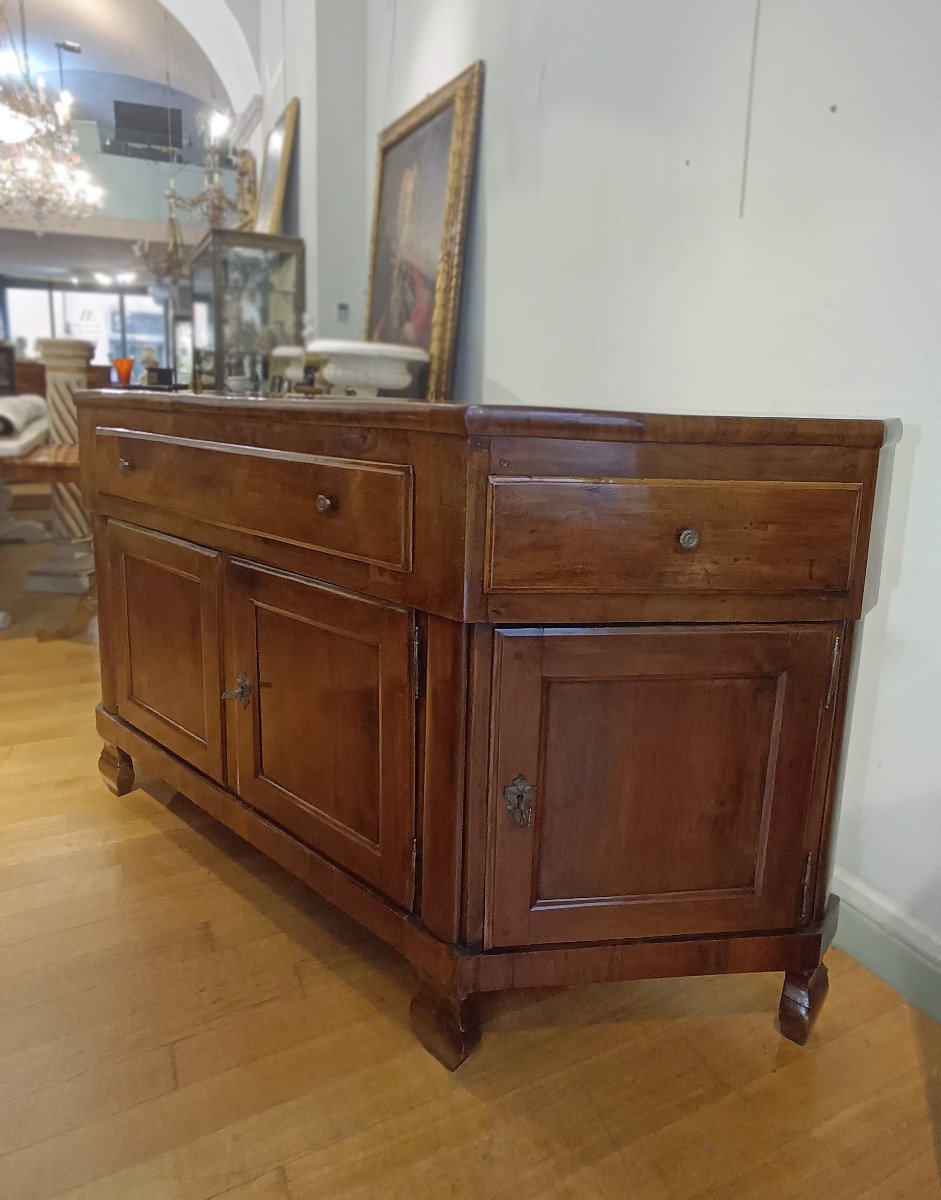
(28, 310)
(94, 316)
(146, 331)
(203, 329)
(183, 337)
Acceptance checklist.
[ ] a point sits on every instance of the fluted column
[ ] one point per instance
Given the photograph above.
(71, 566)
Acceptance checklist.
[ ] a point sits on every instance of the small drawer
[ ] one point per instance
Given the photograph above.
(346, 507)
(670, 536)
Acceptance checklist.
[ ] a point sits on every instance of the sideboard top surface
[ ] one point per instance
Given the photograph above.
(515, 420)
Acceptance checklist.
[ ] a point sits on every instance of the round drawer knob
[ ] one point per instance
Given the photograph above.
(124, 466)
(689, 539)
(325, 504)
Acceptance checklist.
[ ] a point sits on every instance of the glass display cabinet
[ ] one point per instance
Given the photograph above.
(248, 297)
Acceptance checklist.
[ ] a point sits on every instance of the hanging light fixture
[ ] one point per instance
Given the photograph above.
(212, 202)
(170, 263)
(41, 171)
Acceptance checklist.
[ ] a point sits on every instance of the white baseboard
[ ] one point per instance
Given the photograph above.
(879, 934)
(888, 913)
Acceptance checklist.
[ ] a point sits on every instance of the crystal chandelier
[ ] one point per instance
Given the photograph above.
(41, 172)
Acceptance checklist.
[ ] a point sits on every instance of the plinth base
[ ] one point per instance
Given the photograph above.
(13, 530)
(69, 570)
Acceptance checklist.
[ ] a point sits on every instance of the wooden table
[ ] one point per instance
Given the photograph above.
(53, 464)
(48, 464)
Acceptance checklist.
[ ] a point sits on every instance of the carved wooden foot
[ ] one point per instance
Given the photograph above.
(445, 1023)
(117, 769)
(801, 1001)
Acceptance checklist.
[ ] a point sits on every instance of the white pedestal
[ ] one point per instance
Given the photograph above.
(13, 529)
(69, 570)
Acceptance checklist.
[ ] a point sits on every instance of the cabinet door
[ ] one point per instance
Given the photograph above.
(325, 742)
(672, 773)
(166, 597)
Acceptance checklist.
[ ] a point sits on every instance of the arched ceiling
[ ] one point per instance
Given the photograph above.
(137, 38)
(128, 48)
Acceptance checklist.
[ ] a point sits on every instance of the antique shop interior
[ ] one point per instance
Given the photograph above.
(469, 486)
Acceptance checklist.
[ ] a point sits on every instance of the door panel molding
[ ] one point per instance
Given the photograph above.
(672, 780)
(167, 595)
(326, 746)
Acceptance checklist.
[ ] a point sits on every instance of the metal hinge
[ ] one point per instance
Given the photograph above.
(805, 895)
(834, 672)
(414, 869)
(416, 659)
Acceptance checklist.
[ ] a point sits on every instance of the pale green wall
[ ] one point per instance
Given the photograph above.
(134, 187)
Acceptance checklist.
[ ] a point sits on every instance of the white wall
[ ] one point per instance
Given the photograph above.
(217, 26)
(248, 15)
(318, 53)
(609, 266)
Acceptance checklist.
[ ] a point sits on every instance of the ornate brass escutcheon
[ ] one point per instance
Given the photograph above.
(519, 797)
(241, 692)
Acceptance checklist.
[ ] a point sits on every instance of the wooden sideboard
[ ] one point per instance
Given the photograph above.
(541, 697)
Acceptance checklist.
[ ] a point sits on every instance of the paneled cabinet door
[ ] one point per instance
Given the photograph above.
(167, 644)
(656, 782)
(325, 729)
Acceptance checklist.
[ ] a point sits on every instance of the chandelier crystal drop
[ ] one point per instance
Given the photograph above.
(42, 175)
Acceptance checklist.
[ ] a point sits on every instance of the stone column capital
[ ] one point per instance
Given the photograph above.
(65, 354)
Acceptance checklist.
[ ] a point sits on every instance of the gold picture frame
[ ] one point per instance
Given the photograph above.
(424, 173)
(276, 164)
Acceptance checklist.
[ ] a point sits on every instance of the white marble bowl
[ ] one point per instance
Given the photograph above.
(366, 367)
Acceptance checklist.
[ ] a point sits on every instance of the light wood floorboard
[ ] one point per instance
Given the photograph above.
(180, 1020)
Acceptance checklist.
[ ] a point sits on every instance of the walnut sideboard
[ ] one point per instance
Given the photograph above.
(541, 697)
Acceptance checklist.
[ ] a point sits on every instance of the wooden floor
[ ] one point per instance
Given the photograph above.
(180, 1020)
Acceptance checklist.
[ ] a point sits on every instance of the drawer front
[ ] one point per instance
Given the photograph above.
(347, 507)
(670, 535)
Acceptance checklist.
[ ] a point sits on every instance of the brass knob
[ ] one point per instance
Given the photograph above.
(689, 539)
(325, 504)
(124, 466)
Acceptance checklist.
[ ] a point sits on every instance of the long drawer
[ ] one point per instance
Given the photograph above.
(670, 535)
(347, 507)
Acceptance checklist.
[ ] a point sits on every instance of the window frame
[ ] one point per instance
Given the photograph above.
(121, 291)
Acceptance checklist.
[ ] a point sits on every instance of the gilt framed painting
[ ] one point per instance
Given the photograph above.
(423, 185)
(279, 146)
